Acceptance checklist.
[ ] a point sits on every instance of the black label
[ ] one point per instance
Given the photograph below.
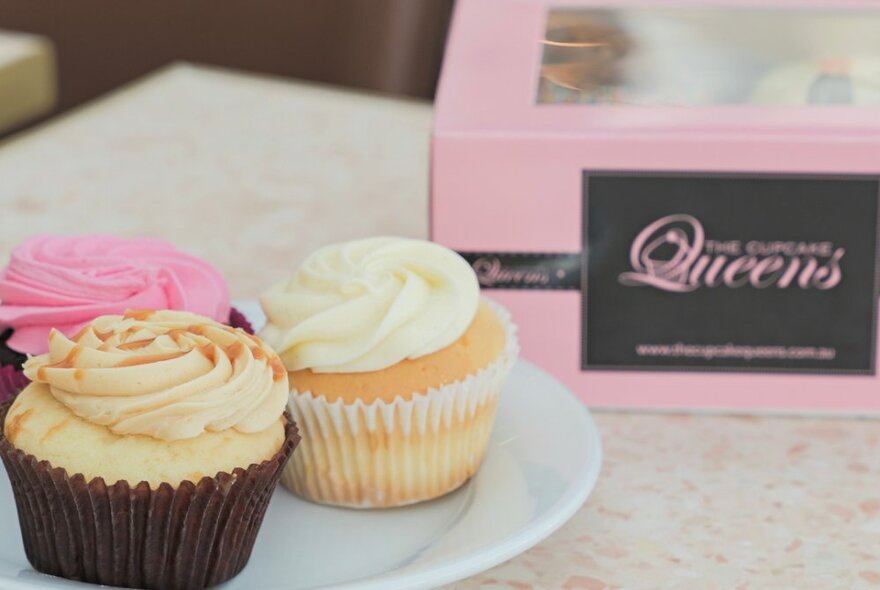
(730, 272)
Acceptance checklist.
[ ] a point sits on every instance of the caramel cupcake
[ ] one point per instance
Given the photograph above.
(396, 365)
(146, 449)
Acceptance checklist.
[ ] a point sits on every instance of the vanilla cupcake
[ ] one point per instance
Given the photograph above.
(146, 449)
(396, 365)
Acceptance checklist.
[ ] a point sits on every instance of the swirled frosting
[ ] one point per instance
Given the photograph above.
(368, 304)
(63, 282)
(167, 374)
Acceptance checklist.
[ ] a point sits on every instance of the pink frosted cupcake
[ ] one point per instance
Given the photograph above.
(64, 282)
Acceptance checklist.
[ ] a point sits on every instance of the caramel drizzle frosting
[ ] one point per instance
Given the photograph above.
(150, 358)
(136, 344)
(67, 362)
(140, 315)
(208, 350)
(243, 385)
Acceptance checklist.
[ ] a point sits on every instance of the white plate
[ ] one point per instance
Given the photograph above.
(543, 460)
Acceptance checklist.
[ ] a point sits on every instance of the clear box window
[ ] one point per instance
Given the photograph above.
(669, 56)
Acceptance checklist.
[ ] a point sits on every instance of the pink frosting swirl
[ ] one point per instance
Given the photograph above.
(64, 282)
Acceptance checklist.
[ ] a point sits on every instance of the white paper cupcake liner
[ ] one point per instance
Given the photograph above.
(385, 454)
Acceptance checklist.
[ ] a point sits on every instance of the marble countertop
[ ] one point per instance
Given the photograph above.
(249, 172)
(254, 173)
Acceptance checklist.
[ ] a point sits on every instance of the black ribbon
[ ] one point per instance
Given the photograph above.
(526, 270)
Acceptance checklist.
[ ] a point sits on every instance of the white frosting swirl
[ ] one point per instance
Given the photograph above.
(167, 374)
(368, 304)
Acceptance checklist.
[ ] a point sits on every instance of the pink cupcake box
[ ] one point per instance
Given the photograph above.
(677, 202)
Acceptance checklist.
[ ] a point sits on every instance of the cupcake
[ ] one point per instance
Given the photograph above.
(146, 449)
(396, 365)
(842, 81)
(64, 282)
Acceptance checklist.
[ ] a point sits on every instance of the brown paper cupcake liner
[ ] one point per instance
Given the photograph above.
(192, 537)
(12, 381)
